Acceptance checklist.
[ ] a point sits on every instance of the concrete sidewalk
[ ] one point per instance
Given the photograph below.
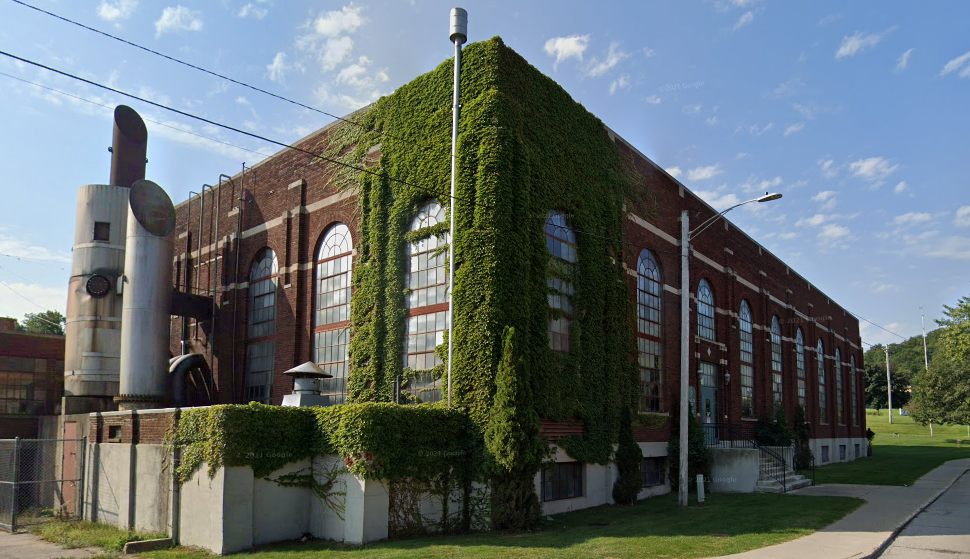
(864, 532)
(941, 531)
(24, 545)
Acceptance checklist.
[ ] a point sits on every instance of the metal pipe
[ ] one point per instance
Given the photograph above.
(459, 34)
(188, 258)
(198, 258)
(684, 351)
(235, 279)
(129, 144)
(209, 278)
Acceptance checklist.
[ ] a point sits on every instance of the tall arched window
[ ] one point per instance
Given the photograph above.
(261, 338)
(852, 391)
(776, 376)
(838, 388)
(650, 332)
(427, 304)
(747, 360)
(823, 410)
(332, 310)
(705, 311)
(561, 242)
(800, 365)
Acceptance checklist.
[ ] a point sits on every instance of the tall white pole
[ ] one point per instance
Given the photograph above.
(926, 354)
(459, 34)
(684, 350)
(889, 385)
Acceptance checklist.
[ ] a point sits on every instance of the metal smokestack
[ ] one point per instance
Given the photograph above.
(147, 303)
(129, 145)
(93, 332)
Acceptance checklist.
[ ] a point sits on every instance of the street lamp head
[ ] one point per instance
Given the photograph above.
(769, 197)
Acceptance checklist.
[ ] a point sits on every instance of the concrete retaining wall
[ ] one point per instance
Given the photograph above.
(735, 470)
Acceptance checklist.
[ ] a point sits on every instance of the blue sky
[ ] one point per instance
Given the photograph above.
(856, 112)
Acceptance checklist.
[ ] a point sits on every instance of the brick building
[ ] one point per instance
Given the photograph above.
(291, 233)
(31, 379)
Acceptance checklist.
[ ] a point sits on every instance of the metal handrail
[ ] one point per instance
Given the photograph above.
(729, 435)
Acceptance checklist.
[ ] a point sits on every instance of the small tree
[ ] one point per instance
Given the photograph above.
(47, 322)
(514, 443)
(773, 428)
(802, 435)
(628, 460)
(700, 458)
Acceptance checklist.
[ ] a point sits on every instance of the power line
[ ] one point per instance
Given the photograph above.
(177, 129)
(301, 150)
(188, 64)
(45, 260)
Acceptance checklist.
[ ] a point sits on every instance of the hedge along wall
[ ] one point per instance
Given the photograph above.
(525, 147)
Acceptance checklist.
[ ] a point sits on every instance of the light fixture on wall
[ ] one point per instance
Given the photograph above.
(727, 378)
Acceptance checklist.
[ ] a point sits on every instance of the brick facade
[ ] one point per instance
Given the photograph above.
(288, 201)
(18, 414)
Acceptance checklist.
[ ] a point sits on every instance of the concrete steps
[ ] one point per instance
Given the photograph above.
(769, 480)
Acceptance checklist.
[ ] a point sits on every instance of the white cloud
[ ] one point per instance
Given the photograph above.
(833, 232)
(251, 9)
(789, 88)
(718, 199)
(704, 173)
(757, 130)
(956, 64)
(648, 52)
(787, 236)
(623, 82)
(828, 171)
(356, 76)
(653, 100)
(829, 19)
(41, 298)
(901, 187)
(807, 111)
(741, 155)
(613, 57)
(674, 171)
(755, 185)
(860, 42)
(277, 68)
(745, 19)
(872, 168)
(711, 121)
(117, 10)
(691, 110)
(338, 22)
(797, 127)
(962, 217)
(912, 218)
(903, 61)
(23, 248)
(826, 198)
(564, 48)
(954, 248)
(877, 287)
(335, 51)
(177, 19)
(814, 221)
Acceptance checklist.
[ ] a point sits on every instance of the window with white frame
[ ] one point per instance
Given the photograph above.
(650, 332)
(823, 410)
(853, 394)
(561, 243)
(839, 413)
(705, 311)
(776, 370)
(747, 360)
(800, 365)
(261, 327)
(332, 288)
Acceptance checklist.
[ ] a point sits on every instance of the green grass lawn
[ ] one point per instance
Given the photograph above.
(89, 534)
(652, 528)
(901, 453)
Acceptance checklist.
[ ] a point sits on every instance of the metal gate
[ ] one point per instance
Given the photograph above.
(40, 480)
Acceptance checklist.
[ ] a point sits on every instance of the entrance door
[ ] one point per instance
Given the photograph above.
(709, 400)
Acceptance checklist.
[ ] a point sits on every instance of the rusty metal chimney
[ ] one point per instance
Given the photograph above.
(129, 145)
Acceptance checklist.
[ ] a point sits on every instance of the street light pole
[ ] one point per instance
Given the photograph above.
(889, 385)
(685, 237)
(459, 34)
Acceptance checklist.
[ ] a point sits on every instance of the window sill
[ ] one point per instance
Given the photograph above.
(660, 413)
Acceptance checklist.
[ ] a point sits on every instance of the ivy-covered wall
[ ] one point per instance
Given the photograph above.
(524, 148)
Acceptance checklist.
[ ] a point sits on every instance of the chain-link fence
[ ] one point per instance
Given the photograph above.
(40, 480)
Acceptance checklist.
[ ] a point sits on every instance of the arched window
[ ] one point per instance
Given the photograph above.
(822, 408)
(838, 388)
(427, 304)
(800, 365)
(776, 376)
(331, 333)
(261, 338)
(747, 360)
(650, 332)
(561, 242)
(705, 311)
(852, 391)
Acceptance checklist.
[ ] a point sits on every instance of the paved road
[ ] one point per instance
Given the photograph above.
(28, 546)
(942, 531)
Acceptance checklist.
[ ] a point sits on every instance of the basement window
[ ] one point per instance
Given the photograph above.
(562, 480)
(102, 231)
(652, 472)
(114, 433)
(825, 453)
(857, 451)
(841, 452)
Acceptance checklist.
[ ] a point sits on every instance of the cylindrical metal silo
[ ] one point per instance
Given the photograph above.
(147, 298)
(93, 332)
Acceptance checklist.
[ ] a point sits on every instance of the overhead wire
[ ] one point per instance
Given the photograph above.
(301, 150)
(187, 64)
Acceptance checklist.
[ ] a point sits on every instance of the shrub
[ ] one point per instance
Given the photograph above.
(628, 460)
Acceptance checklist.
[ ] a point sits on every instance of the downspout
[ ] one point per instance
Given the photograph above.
(235, 278)
(198, 272)
(188, 258)
(213, 275)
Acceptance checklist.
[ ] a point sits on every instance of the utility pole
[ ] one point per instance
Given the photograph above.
(926, 354)
(889, 385)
